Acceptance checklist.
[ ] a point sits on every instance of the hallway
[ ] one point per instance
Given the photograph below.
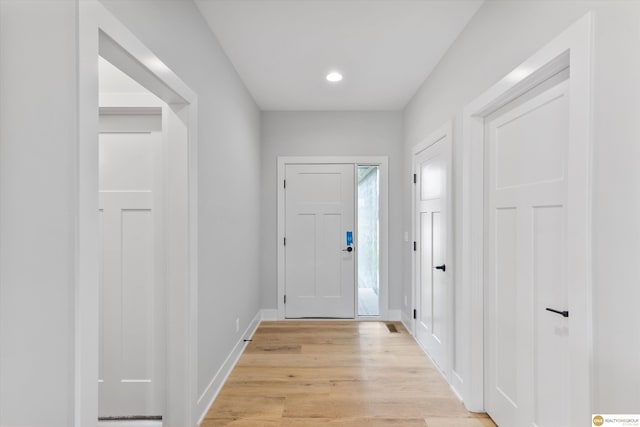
(506, 137)
(318, 373)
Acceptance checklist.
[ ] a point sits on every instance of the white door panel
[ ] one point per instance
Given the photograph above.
(431, 239)
(131, 346)
(527, 369)
(126, 161)
(319, 211)
(551, 332)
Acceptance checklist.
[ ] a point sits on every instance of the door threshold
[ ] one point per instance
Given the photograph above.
(129, 423)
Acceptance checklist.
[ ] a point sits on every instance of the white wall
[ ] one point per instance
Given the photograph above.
(329, 134)
(37, 144)
(38, 128)
(499, 37)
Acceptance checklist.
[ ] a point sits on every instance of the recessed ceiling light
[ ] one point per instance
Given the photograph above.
(334, 77)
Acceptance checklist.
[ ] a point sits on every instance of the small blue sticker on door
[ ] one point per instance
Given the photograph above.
(349, 238)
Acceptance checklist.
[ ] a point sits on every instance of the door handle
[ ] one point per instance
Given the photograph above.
(441, 267)
(349, 249)
(562, 313)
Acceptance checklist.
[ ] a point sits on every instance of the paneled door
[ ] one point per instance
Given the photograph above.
(319, 241)
(526, 279)
(131, 296)
(432, 284)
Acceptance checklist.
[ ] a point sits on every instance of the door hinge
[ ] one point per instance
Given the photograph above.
(415, 178)
(285, 299)
(415, 246)
(415, 313)
(285, 183)
(284, 241)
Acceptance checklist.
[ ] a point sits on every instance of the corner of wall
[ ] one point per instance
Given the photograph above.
(211, 392)
(407, 321)
(269, 314)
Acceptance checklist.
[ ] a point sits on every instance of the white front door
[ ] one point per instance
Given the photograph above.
(131, 297)
(431, 239)
(527, 348)
(319, 262)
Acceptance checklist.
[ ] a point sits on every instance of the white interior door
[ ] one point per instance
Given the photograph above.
(319, 268)
(527, 351)
(131, 296)
(432, 282)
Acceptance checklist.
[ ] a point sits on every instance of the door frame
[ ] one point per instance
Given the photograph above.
(573, 49)
(382, 162)
(443, 134)
(102, 34)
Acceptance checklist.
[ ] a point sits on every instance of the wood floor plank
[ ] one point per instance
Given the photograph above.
(248, 407)
(352, 374)
(354, 422)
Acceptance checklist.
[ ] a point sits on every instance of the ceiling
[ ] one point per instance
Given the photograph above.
(283, 49)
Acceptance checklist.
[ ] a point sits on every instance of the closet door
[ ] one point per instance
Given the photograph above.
(527, 347)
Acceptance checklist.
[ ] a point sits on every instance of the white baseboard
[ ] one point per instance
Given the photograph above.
(394, 315)
(457, 384)
(269, 314)
(213, 389)
(407, 322)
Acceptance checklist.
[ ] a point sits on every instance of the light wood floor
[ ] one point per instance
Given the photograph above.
(349, 374)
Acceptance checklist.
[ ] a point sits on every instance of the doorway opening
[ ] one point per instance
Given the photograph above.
(368, 234)
(102, 35)
(132, 275)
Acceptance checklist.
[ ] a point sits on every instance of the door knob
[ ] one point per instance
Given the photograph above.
(349, 249)
(441, 267)
(562, 313)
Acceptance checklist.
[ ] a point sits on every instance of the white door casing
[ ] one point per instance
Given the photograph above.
(354, 162)
(527, 363)
(320, 211)
(101, 34)
(132, 274)
(433, 293)
(571, 49)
